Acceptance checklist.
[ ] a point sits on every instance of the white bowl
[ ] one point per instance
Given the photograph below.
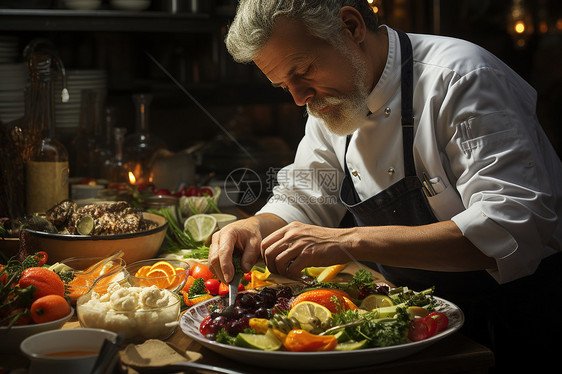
(11, 338)
(38, 348)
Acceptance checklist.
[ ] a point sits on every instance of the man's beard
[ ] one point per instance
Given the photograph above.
(346, 112)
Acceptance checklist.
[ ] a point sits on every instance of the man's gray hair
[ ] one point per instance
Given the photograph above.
(255, 19)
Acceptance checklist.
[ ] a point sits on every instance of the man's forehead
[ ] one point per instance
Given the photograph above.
(289, 46)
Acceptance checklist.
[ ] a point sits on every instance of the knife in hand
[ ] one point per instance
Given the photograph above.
(238, 274)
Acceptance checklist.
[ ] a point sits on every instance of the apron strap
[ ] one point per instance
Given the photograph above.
(407, 109)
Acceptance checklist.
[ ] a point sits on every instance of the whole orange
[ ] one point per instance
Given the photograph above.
(49, 308)
(46, 282)
(334, 300)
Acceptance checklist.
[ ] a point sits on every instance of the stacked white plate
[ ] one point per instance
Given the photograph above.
(8, 49)
(68, 114)
(12, 86)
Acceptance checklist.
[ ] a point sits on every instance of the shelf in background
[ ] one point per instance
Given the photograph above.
(104, 20)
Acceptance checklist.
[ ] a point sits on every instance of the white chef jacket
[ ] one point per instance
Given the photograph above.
(476, 136)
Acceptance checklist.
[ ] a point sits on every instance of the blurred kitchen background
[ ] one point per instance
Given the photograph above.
(146, 60)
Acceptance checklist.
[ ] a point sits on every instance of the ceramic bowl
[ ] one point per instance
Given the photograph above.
(65, 351)
(135, 246)
(10, 338)
(140, 273)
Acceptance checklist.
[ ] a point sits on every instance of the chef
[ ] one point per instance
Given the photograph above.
(423, 158)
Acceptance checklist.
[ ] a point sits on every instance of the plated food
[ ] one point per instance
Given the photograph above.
(293, 331)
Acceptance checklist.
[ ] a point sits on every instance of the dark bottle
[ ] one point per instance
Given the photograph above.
(47, 167)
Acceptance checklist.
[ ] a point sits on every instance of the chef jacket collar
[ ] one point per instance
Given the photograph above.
(389, 81)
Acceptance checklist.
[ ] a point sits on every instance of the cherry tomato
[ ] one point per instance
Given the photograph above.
(201, 271)
(41, 258)
(431, 326)
(163, 192)
(223, 288)
(204, 328)
(418, 330)
(440, 319)
(205, 191)
(212, 286)
(248, 276)
(191, 191)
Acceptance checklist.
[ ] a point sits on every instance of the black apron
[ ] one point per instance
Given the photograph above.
(489, 308)
(405, 203)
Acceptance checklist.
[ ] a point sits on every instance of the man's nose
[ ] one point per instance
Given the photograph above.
(301, 94)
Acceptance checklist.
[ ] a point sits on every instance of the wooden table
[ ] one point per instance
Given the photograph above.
(454, 354)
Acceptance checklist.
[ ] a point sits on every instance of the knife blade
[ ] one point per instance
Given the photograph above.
(235, 282)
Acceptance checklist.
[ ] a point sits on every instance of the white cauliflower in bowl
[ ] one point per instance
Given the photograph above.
(139, 313)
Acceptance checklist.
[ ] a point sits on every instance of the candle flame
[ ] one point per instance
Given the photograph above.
(132, 178)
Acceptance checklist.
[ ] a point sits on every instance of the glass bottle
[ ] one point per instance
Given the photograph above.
(141, 147)
(47, 167)
(115, 170)
(105, 148)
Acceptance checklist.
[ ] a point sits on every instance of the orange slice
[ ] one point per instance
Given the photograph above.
(165, 266)
(161, 278)
(142, 271)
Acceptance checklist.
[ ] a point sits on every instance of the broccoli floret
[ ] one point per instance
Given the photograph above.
(225, 338)
(65, 276)
(30, 261)
(197, 288)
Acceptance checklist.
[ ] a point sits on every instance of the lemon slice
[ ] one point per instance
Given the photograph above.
(267, 342)
(201, 226)
(375, 301)
(85, 225)
(312, 316)
(314, 271)
(351, 345)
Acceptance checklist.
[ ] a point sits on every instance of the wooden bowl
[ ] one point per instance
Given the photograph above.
(135, 246)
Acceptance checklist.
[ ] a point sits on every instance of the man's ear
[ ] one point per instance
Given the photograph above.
(353, 23)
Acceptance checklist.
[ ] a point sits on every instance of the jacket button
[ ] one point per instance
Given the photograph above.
(391, 171)
(387, 111)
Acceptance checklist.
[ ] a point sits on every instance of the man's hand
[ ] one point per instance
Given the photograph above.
(246, 235)
(297, 245)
